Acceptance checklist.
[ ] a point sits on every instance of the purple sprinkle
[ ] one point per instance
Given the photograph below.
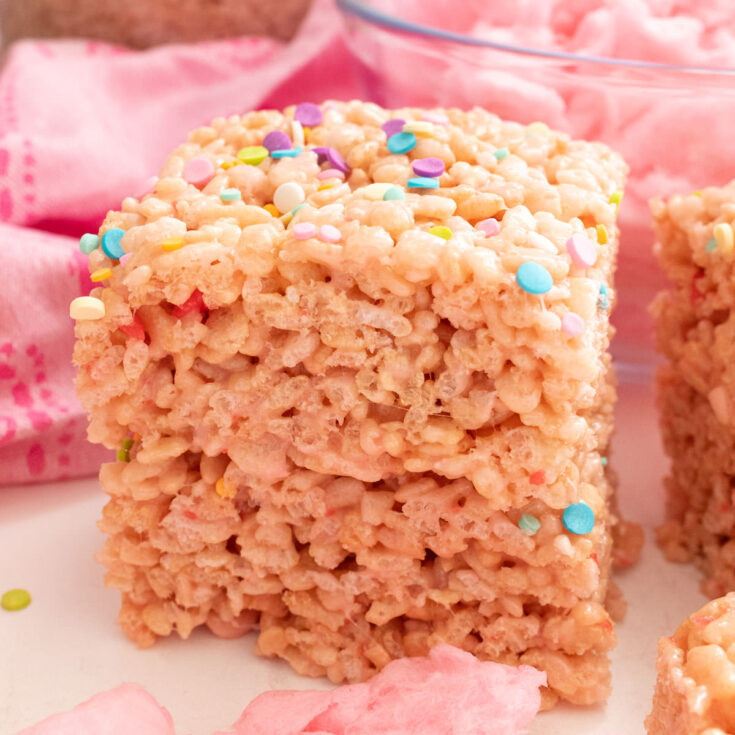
(337, 161)
(393, 126)
(309, 114)
(321, 152)
(431, 167)
(277, 140)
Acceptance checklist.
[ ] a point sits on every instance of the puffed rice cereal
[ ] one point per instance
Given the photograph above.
(340, 414)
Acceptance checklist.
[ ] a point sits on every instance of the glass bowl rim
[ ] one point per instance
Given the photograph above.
(381, 19)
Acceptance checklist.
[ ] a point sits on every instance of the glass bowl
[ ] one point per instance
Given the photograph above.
(671, 123)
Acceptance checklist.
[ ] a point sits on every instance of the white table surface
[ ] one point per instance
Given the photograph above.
(66, 646)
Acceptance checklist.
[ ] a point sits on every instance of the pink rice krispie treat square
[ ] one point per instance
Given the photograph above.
(356, 364)
(695, 684)
(696, 389)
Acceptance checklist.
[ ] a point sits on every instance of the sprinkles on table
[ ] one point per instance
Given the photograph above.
(16, 599)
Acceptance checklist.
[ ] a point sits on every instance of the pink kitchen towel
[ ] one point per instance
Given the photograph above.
(82, 125)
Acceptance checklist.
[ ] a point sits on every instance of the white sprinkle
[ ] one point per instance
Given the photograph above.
(288, 195)
(419, 127)
(86, 308)
(297, 133)
(374, 192)
(563, 545)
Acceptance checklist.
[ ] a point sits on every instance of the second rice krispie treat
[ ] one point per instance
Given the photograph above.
(695, 684)
(355, 363)
(696, 390)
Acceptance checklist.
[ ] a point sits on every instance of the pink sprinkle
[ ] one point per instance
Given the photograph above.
(435, 117)
(331, 173)
(572, 324)
(489, 226)
(304, 230)
(125, 258)
(581, 250)
(329, 233)
(198, 171)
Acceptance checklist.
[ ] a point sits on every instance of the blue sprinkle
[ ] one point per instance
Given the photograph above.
(88, 243)
(529, 524)
(111, 246)
(711, 245)
(422, 182)
(534, 278)
(501, 153)
(230, 195)
(603, 461)
(395, 193)
(296, 209)
(287, 153)
(401, 142)
(578, 518)
(602, 301)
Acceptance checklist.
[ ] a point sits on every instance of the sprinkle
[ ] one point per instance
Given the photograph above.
(431, 167)
(603, 302)
(394, 194)
(324, 187)
(537, 128)
(88, 243)
(272, 210)
(490, 227)
(374, 192)
(422, 182)
(601, 234)
(134, 330)
(401, 142)
(563, 545)
(171, 243)
(393, 126)
(127, 443)
(253, 154)
(307, 113)
(581, 250)
(578, 518)
(534, 278)
(297, 133)
(16, 599)
(195, 302)
(331, 173)
(230, 195)
(537, 240)
(572, 324)
(537, 478)
(296, 209)
(501, 153)
(436, 118)
(198, 171)
(307, 132)
(86, 308)
(224, 490)
(724, 235)
(110, 243)
(529, 524)
(102, 274)
(441, 231)
(287, 153)
(616, 197)
(711, 245)
(329, 233)
(603, 461)
(419, 128)
(227, 165)
(276, 140)
(304, 230)
(336, 160)
(697, 193)
(288, 195)
(123, 455)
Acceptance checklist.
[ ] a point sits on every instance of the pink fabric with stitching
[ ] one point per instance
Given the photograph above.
(83, 124)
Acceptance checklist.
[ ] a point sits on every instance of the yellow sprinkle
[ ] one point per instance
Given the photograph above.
(538, 128)
(136, 437)
(253, 154)
(441, 231)
(86, 308)
(228, 164)
(724, 235)
(323, 187)
(101, 274)
(616, 198)
(601, 234)
(419, 127)
(697, 193)
(307, 132)
(224, 490)
(374, 192)
(171, 244)
(272, 210)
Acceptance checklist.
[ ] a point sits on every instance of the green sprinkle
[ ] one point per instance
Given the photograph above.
(296, 209)
(122, 455)
(529, 524)
(501, 153)
(230, 195)
(15, 599)
(603, 461)
(711, 245)
(127, 443)
(395, 193)
(88, 243)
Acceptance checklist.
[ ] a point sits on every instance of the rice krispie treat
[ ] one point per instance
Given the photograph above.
(695, 684)
(696, 390)
(355, 361)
